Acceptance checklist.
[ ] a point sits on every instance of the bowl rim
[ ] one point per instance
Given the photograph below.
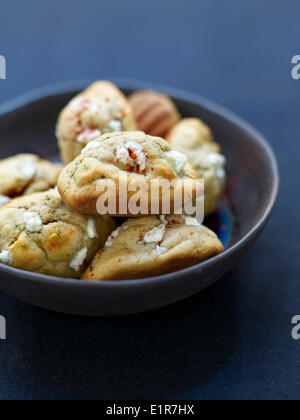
(29, 98)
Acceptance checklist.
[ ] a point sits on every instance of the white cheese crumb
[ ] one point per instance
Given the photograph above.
(5, 257)
(160, 250)
(75, 102)
(124, 156)
(27, 170)
(110, 240)
(90, 146)
(163, 220)
(139, 151)
(91, 229)
(82, 104)
(92, 107)
(78, 260)
(155, 235)
(191, 221)
(218, 162)
(88, 135)
(3, 200)
(33, 221)
(177, 160)
(115, 125)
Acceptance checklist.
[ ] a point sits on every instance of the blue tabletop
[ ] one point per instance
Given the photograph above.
(232, 341)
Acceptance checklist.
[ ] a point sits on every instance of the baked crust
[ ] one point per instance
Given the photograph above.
(100, 109)
(39, 233)
(193, 137)
(26, 173)
(140, 157)
(153, 246)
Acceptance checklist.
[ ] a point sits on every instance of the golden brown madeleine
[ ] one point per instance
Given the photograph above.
(138, 157)
(154, 112)
(100, 109)
(39, 233)
(26, 173)
(152, 246)
(194, 138)
(192, 134)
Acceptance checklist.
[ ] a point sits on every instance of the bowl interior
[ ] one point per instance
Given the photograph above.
(28, 124)
(31, 129)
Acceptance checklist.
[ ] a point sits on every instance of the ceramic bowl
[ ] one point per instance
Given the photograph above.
(27, 124)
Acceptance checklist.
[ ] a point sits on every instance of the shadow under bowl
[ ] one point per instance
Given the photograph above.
(27, 125)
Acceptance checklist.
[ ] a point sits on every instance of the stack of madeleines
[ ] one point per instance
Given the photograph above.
(49, 222)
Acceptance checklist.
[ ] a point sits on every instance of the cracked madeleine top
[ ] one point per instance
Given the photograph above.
(102, 108)
(193, 137)
(24, 174)
(39, 233)
(155, 113)
(152, 246)
(140, 156)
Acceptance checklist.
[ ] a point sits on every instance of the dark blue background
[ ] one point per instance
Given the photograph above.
(234, 340)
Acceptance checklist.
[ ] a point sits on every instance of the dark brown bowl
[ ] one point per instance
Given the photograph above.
(27, 124)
